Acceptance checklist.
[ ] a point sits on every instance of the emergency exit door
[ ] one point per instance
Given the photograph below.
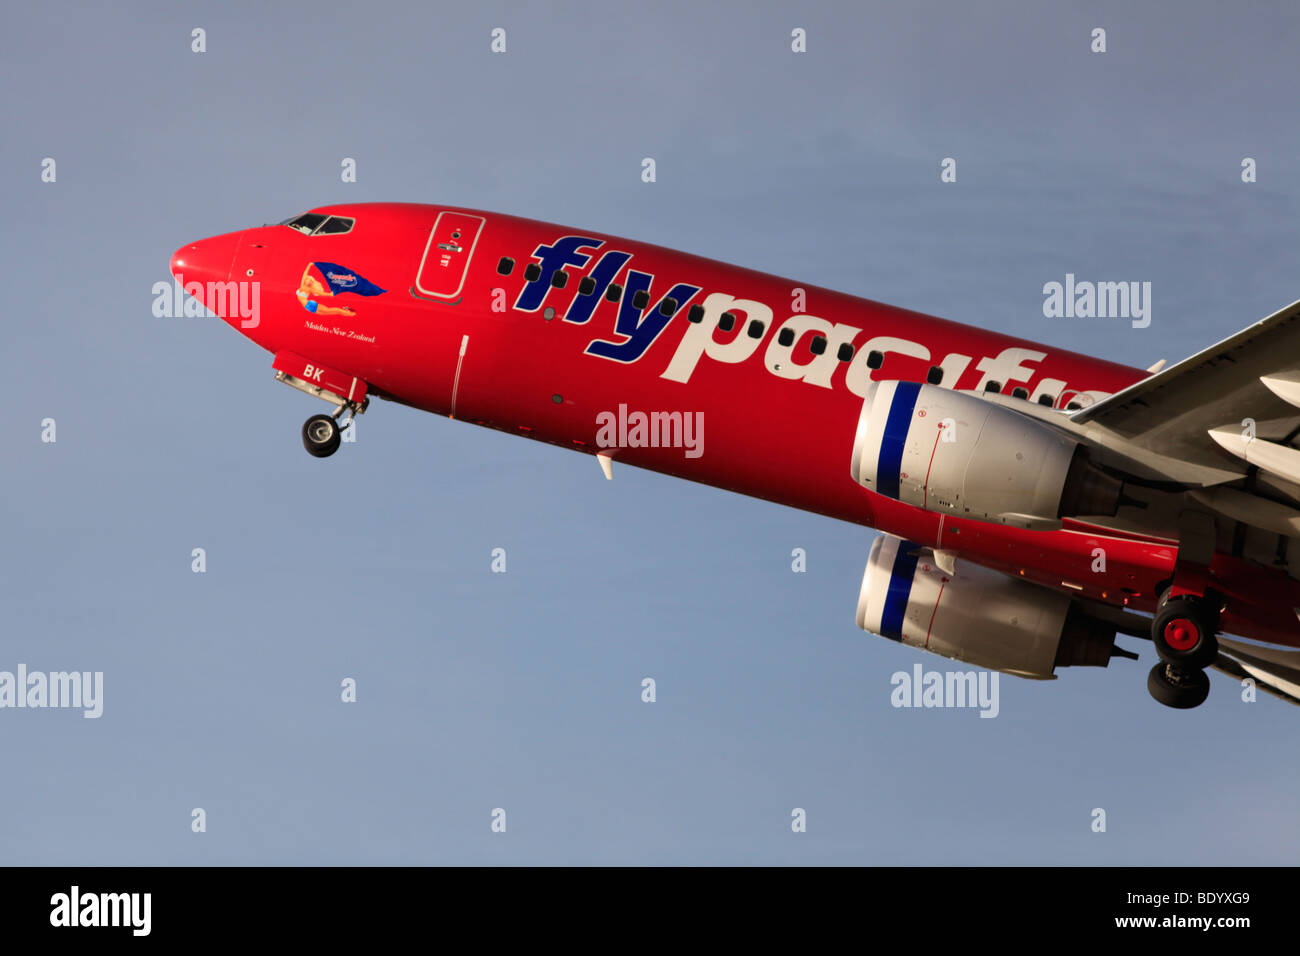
(447, 255)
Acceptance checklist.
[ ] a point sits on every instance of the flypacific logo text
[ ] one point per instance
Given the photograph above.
(642, 319)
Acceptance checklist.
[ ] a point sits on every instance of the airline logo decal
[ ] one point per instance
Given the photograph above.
(639, 327)
(342, 279)
(643, 317)
(324, 280)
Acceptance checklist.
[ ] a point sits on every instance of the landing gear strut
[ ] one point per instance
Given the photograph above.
(321, 434)
(1183, 631)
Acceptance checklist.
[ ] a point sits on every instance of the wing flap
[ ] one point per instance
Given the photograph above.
(1274, 670)
(1234, 386)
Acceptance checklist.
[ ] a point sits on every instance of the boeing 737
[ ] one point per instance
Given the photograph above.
(1033, 502)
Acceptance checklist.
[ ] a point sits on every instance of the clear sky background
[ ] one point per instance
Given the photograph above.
(522, 690)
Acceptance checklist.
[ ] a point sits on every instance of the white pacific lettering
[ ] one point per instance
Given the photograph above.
(780, 358)
(698, 340)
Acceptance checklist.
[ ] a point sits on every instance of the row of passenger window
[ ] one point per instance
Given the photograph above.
(755, 329)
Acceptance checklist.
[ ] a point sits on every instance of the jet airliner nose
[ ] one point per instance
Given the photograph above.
(198, 266)
(208, 260)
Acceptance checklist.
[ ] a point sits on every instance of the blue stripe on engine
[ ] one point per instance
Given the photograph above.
(891, 443)
(900, 589)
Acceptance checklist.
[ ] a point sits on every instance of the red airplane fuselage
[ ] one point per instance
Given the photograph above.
(460, 312)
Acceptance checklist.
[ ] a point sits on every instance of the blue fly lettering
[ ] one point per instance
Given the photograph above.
(563, 252)
(640, 327)
(606, 269)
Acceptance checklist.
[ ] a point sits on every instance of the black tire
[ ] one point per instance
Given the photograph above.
(320, 436)
(1178, 687)
(1183, 631)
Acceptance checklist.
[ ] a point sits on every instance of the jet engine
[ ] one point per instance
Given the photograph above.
(976, 615)
(952, 452)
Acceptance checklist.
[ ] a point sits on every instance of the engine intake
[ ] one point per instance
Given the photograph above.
(951, 452)
(977, 615)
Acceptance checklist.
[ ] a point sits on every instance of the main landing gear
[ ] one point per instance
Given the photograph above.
(1183, 631)
(322, 434)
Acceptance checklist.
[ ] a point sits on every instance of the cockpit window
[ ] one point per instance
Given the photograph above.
(314, 224)
(335, 226)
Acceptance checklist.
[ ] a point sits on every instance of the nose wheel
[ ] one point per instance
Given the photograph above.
(322, 434)
(1183, 631)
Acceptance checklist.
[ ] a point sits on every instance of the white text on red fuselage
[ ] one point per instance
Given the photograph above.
(642, 319)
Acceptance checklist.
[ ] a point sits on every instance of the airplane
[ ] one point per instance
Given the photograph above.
(1033, 503)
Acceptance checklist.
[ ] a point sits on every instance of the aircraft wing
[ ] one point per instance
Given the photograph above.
(1171, 415)
(1273, 670)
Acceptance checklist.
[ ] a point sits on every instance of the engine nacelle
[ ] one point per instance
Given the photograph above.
(951, 452)
(976, 615)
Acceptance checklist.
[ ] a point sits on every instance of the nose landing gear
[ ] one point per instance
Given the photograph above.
(322, 434)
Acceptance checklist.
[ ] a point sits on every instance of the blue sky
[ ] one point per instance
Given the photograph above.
(522, 690)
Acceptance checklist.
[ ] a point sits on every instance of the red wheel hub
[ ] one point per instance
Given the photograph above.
(1182, 634)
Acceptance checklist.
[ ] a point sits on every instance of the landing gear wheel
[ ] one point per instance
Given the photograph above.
(1178, 687)
(1183, 632)
(320, 436)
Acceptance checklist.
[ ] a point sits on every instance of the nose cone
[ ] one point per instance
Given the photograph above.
(208, 260)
